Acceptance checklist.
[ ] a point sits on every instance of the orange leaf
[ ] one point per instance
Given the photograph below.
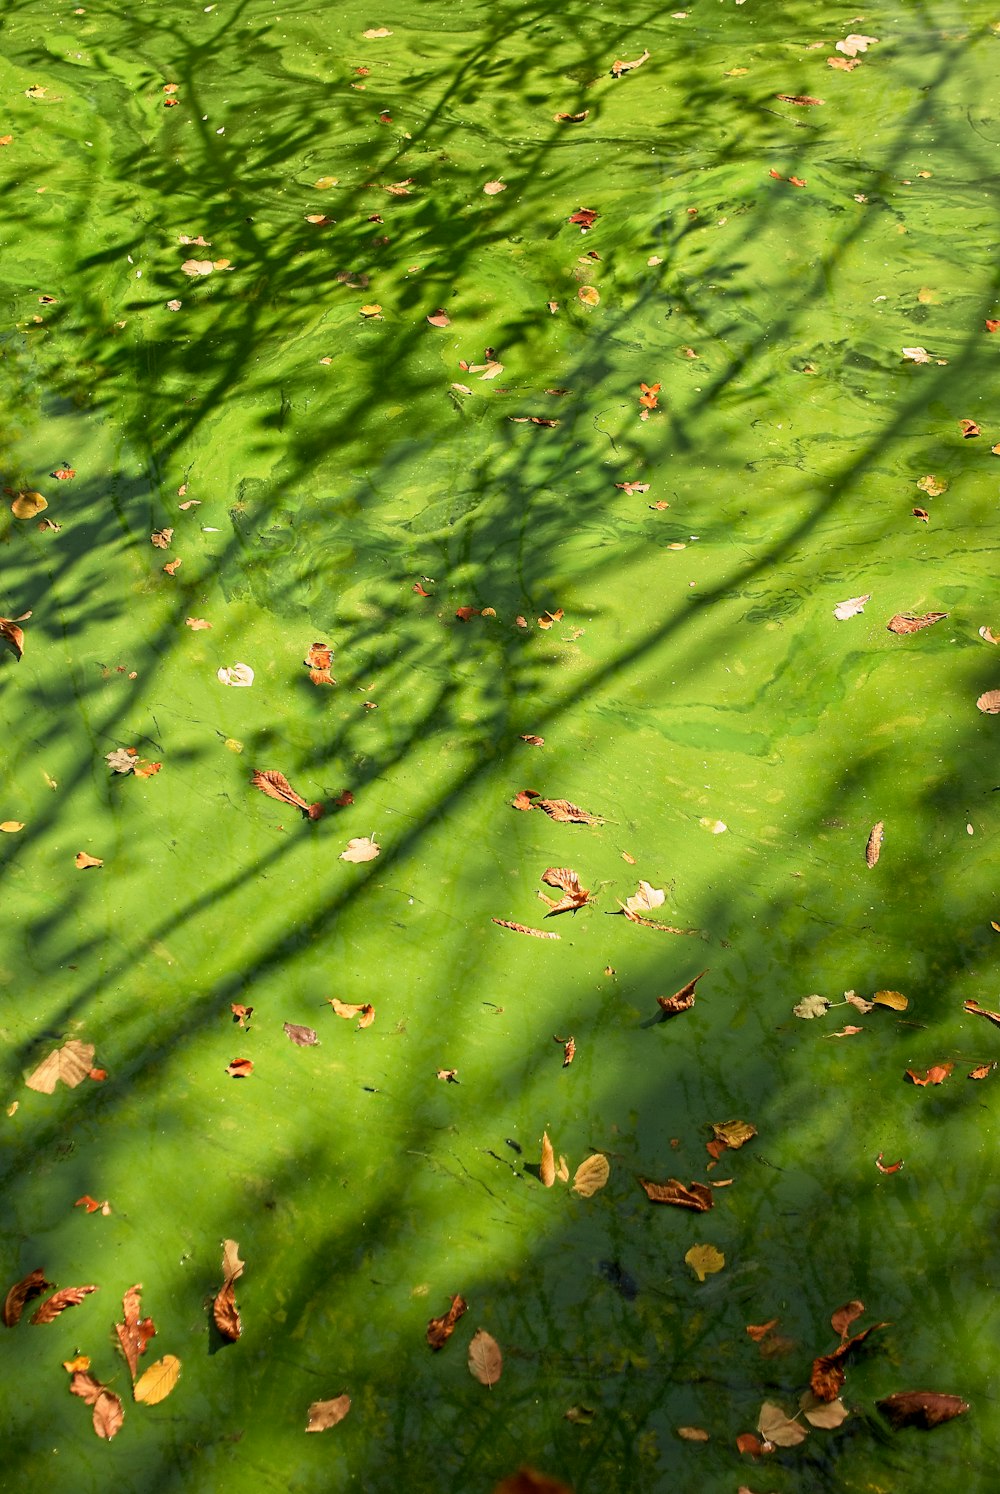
(240, 1068)
(969, 428)
(59, 1301)
(547, 1166)
(936, 1074)
(757, 1331)
(225, 1313)
(439, 1330)
(365, 1011)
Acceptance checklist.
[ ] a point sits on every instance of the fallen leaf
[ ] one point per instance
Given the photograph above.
(936, 1074)
(12, 634)
(240, 1068)
(324, 183)
(633, 487)
(647, 396)
(843, 63)
(134, 1332)
(845, 1032)
(276, 786)
(439, 319)
(584, 218)
(932, 486)
(191, 502)
(853, 44)
(364, 1011)
(969, 428)
(58, 1303)
(529, 1481)
(909, 622)
(376, 33)
(843, 1317)
(21, 1293)
(547, 1166)
(485, 1358)
(873, 849)
(824, 1414)
(797, 181)
(645, 899)
(747, 1442)
(811, 1006)
(589, 295)
(448, 1076)
(757, 1331)
(989, 703)
(158, 1381)
(196, 267)
(920, 513)
(681, 1000)
(161, 538)
(465, 614)
(69, 1064)
(492, 188)
(574, 896)
(122, 760)
(980, 1011)
(324, 1414)
(798, 98)
(232, 1266)
(372, 312)
(571, 118)
(693, 1434)
(591, 1175)
(27, 505)
(992, 325)
(318, 661)
(569, 1049)
(302, 1037)
(63, 474)
(534, 741)
(917, 355)
(580, 1415)
(522, 928)
(550, 618)
(565, 813)
(734, 1134)
(225, 1313)
(851, 607)
(361, 848)
(108, 1415)
(196, 624)
(920, 1408)
(240, 675)
(439, 1330)
(11, 827)
(895, 1000)
(619, 68)
(697, 1196)
(775, 1427)
(988, 634)
(704, 1260)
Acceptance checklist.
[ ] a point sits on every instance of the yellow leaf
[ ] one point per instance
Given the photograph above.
(374, 310)
(591, 1175)
(158, 1381)
(27, 505)
(547, 1166)
(324, 182)
(705, 1260)
(894, 999)
(11, 827)
(589, 295)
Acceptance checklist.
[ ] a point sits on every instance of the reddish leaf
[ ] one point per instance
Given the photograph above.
(530, 1481)
(172, 567)
(240, 1068)
(681, 1000)
(533, 741)
(59, 1301)
(134, 1333)
(828, 1375)
(343, 800)
(584, 217)
(318, 662)
(697, 1196)
(12, 634)
(757, 1331)
(921, 513)
(920, 1408)
(465, 613)
(796, 181)
(63, 474)
(277, 786)
(936, 1074)
(887, 1167)
(92, 1204)
(844, 1316)
(439, 1330)
(441, 318)
(420, 590)
(32, 1285)
(225, 1313)
(991, 326)
(748, 1442)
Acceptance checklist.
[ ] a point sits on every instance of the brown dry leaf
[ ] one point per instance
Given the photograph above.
(778, 1429)
(827, 1372)
(969, 428)
(161, 538)
(693, 1434)
(375, 33)
(158, 1381)
(921, 513)
(980, 1011)
(547, 1166)
(70, 1064)
(982, 1070)
(734, 1134)
(645, 899)
(108, 1415)
(551, 618)
(439, 1330)
(932, 486)
(364, 1011)
(909, 622)
(533, 741)
(81, 1383)
(895, 1000)
(988, 634)
(574, 896)
(619, 68)
(21, 1293)
(28, 505)
(134, 1333)
(936, 1074)
(225, 1313)
(232, 1266)
(324, 1414)
(873, 849)
(824, 1414)
(920, 1408)
(318, 661)
(196, 624)
(240, 1068)
(277, 786)
(681, 1000)
(172, 567)
(565, 813)
(302, 1037)
(569, 1049)
(59, 1301)
(757, 1331)
(485, 1358)
(530, 1481)
(439, 319)
(845, 1032)
(589, 295)
(747, 1442)
(844, 1316)
(447, 1076)
(591, 1175)
(697, 1196)
(571, 118)
(12, 634)
(989, 703)
(633, 487)
(522, 928)
(362, 848)
(84, 861)
(843, 64)
(798, 98)
(705, 1260)
(524, 798)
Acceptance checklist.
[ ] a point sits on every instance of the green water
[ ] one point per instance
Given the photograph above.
(682, 686)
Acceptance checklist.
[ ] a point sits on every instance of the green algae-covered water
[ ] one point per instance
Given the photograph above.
(675, 646)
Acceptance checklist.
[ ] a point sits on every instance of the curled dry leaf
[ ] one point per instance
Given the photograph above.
(324, 1414)
(568, 1047)
(492, 188)
(161, 538)
(619, 68)
(232, 1266)
(758, 1331)
(571, 118)
(988, 634)
(645, 899)
(932, 486)
(804, 99)
(547, 1166)
(775, 1427)
(584, 218)
(843, 1317)
(240, 1068)
(365, 1012)
(58, 1303)
(980, 1011)
(629, 488)
(196, 624)
(21, 1293)
(909, 622)
(969, 428)
(591, 1175)
(828, 1373)
(239, 675)
(705, 1260)
(12, 634)
(93, 1204)
(696, 1196)
(158, 1381)
(302, 1037)
(447, 1076)
(574, 896)
(122, 760)
(920, 1408)
(873, 849)
(362, 848)
(533, 741)
(439, 1330)
(734, 1134)
(485, 1358)
(28, 505)
(889, 1167)
(853, 999)
(277, 786)
(225, 1313)
(318, 661)
(522, 928)
(70, 1065)
(681, 1000)
(936, 1074)
(989, 703)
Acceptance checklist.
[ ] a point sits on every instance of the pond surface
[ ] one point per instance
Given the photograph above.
(362, 473)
